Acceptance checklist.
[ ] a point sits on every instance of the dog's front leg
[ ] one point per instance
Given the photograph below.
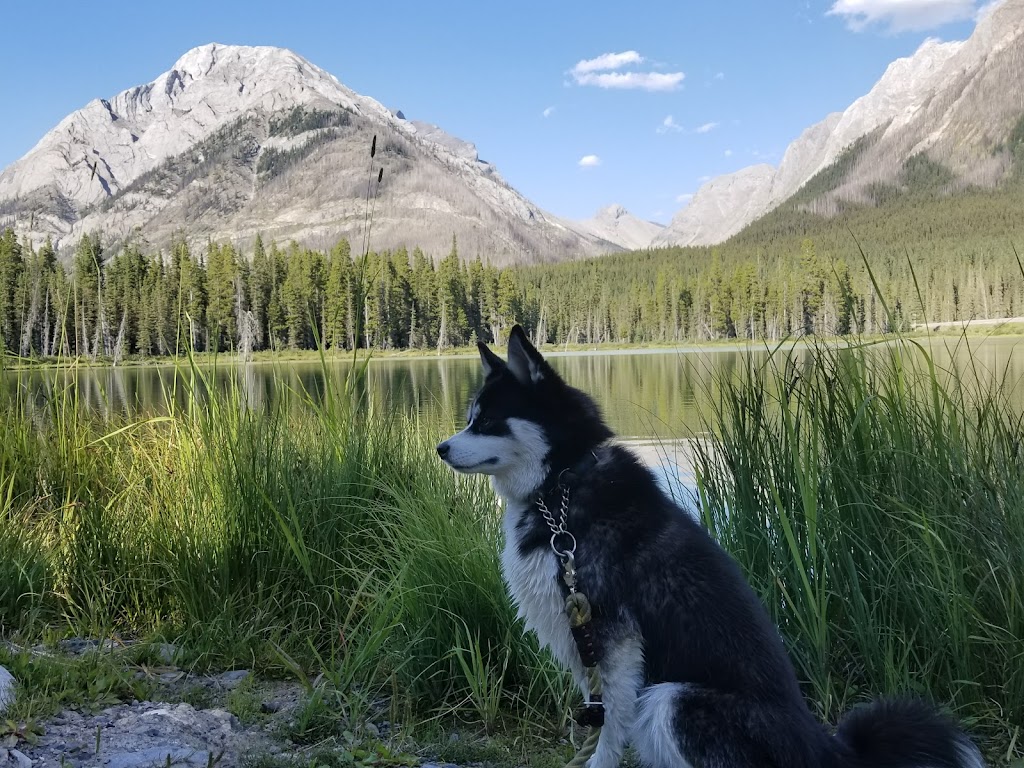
(622, 671)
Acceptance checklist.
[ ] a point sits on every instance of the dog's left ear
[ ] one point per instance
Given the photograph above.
(490, 361)
(525, 362)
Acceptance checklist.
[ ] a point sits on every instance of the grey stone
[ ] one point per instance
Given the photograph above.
(166, 652)
(233, 678)
(16, 758)
(155, 757)
(7, 685)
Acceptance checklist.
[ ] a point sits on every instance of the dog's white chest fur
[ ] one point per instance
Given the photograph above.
(533, 582)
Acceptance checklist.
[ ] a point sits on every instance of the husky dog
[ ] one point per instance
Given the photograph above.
(694, 672)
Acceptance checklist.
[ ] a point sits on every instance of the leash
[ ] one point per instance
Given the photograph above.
(579, 612)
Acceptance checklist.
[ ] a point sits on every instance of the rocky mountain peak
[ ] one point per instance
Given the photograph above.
(956, 99)
(235, 140)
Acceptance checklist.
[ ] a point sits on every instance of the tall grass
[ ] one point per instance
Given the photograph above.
(315, 535)
(877, 504)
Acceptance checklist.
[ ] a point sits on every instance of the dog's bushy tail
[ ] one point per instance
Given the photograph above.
(905, 733)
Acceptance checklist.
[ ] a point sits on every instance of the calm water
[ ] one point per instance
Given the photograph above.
(647, 394)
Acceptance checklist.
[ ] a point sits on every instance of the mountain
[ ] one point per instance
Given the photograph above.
(234, 140)
(943, 117)
(617, 225)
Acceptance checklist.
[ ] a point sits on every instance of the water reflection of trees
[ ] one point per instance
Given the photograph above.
(641, 395)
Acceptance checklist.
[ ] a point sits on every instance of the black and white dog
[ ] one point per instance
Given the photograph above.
(695, 674)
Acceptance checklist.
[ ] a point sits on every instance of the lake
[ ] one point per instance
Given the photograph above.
(644, 394)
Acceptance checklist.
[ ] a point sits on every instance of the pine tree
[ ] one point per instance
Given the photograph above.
(87, 280)
(336, 298)
(451, 298)
(222, 275)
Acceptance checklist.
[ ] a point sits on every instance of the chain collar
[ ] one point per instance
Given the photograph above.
(559, 533)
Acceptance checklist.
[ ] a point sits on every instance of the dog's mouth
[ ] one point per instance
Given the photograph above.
(472, 467)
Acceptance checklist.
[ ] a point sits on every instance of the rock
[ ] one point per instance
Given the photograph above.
(7, 683)
(13, 757)
(166, 652)
(157, 757)
(232, 679)
(143, 734)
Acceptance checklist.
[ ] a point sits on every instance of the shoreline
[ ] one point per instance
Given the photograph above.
(206, 359)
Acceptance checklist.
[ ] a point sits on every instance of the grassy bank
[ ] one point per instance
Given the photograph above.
(881, 516)
(877, 504)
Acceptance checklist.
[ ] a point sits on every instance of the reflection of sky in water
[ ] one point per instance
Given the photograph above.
(673, 465)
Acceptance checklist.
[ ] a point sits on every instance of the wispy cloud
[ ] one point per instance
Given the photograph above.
(669, 125)
(641, 81)
(548, 112)
(589, 161)
(719, 76)
(902, 15)
(706, 128)
(602, 72)
(607, 61)
(684, 198)
(728, 153)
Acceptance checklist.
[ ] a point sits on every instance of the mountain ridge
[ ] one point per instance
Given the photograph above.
(137, 165)
(947, 101)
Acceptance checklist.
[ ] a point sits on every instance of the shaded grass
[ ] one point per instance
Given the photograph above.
(317, 537)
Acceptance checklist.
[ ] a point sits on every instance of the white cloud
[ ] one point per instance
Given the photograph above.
(643, 81)
(601, 72)
(702, 179)
(728, 153)
(589, 161)
(685, 197)
(669, 125)
(720, 76)
(902, 15)
(706, 128)
(607, 61)
(548, 112)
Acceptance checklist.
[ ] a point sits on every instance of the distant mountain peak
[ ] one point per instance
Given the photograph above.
(234, 140)
(949, 99)
(617, 225)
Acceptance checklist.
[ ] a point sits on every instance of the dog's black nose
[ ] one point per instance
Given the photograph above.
(443, 449)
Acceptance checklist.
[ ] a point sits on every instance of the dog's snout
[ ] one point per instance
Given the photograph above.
(443, 449)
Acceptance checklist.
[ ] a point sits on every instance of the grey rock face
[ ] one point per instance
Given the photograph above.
(955, 101)
(7, 683)
(145, 734)
(236, 140)
(617, 225)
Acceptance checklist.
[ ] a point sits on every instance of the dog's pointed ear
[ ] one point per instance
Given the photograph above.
(525, 362)
(490, 361)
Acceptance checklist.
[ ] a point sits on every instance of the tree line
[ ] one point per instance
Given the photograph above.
(292, 297)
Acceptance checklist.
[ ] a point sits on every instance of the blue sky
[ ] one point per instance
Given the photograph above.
(657, 96)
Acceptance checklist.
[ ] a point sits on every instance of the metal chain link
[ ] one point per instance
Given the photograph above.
(558, 528)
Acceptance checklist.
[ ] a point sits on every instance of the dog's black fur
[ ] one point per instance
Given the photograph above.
(657, 580)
